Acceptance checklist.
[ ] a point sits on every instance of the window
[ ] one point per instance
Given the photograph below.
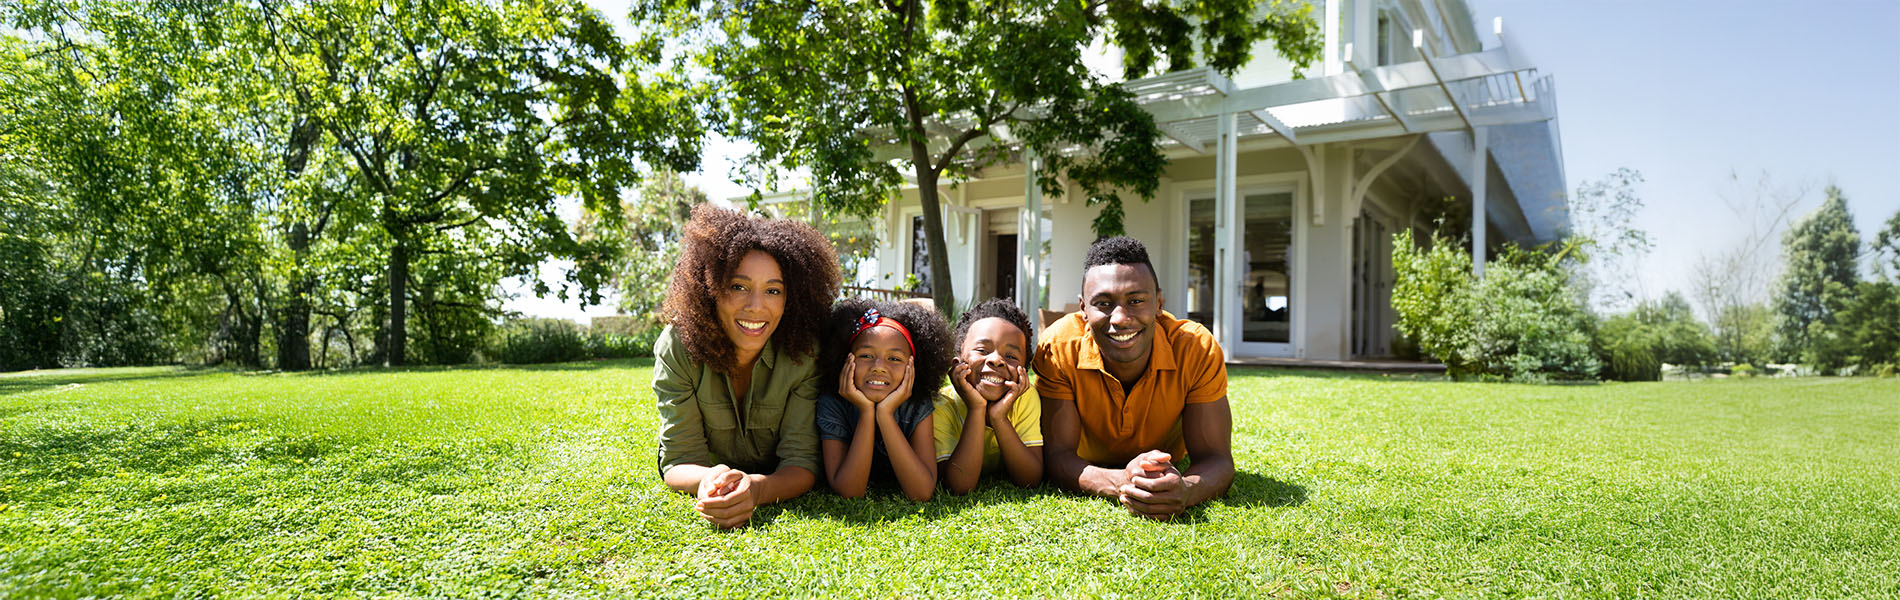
(920, 254)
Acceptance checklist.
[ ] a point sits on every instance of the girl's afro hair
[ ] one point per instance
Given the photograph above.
(928, 333)
(716, 240)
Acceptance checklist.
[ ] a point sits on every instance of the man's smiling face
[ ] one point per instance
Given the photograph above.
(1121, 303)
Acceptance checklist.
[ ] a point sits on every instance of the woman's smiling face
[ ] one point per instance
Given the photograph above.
(878, 359)
(752, 302)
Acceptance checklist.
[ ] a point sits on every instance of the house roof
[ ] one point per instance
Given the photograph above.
(1494, 89)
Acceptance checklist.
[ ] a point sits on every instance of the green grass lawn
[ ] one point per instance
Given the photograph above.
(506, 481)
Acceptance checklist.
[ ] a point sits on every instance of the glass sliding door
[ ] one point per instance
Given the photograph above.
(1266, 269)
(1259, 293)
(1201, 300)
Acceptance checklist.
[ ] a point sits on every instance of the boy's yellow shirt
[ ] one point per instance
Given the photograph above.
(951, 413)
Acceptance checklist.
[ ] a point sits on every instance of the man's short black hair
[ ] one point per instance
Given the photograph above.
(1119, 250)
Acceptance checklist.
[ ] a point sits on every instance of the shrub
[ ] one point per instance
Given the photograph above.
(601, 344)
(1432, 296)
(1633, 346)
(1744, 370)
(1520, 322)
(535, 340)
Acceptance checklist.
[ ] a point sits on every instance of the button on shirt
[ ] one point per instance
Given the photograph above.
(1186, 367)
(700, 425)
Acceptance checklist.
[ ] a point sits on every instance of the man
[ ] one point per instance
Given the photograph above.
(1128, 391)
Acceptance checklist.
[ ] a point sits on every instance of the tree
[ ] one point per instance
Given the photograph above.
(1731, 284)
(647, 227)
(1821, 253)
(128, 175)
(1604, 213)
(464, 123)
(851, 90)
(224, 170)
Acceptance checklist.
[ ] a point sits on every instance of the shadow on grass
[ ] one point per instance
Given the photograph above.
(1257, 371)
(224, 458)
(1254, 489)
(884, 501)
(32, 381)
(1248, 490)
(582, 366)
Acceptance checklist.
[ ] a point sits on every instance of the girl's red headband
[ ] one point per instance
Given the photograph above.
(872, 318)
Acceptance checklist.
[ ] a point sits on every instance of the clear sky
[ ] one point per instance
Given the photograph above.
(1688, 92)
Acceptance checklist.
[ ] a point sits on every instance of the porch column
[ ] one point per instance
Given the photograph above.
(1480, 174)
(1229, 267)
(1029, 240)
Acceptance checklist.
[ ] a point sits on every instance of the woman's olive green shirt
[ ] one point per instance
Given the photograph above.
(699, 425)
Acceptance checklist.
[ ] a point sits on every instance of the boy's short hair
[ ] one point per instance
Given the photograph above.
(1119, 250)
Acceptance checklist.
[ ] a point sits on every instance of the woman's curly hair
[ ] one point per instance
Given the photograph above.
(1001, 308)
(928, 333)
(716, 240)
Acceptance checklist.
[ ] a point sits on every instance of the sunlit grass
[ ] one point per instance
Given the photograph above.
(502, 481)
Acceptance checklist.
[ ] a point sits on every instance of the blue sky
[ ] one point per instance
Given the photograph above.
(1688, 93)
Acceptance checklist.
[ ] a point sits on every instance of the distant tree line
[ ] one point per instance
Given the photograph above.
(1532, 318)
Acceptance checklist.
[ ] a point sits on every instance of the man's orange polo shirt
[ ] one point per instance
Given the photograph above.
(1186, 367)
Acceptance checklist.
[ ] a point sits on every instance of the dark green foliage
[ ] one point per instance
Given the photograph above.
(535, 341)
(299, 184)
(529, 341)
(1520, 322)
(1635, 345)
(1821, 267)
(1869, 330)
(646, 229)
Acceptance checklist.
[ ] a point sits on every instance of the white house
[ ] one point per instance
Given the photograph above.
(1273, 221)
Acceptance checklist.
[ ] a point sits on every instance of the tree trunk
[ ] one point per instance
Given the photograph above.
(941, 291)
(293, 326)
(293, 321)
(398, 313)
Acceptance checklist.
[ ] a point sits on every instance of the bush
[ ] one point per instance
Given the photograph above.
(601, 344)
(1432, 296)
(1744, 370)
(1519, 323)
(534, 340)
(1633, 346)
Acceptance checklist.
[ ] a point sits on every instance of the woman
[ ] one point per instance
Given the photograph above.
(734, 372)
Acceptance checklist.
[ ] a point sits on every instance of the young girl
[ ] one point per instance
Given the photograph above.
(887, 357)
(989, 416)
